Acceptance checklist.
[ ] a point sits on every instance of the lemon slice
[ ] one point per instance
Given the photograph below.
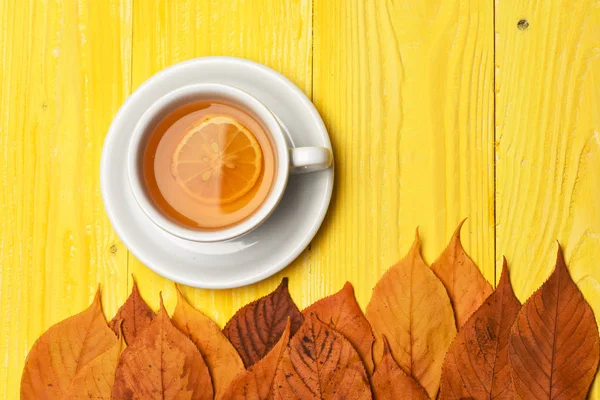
(218, 160)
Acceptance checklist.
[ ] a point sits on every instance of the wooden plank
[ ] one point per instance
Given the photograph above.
(64, 72)
(548, 124)
(275, 33)
(406, 90)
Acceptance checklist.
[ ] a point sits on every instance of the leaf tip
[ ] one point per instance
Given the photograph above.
(119, 328)
(284, 283)
(458, 229)
(288, 327)
(348, 288)
(180, 298)
(162, 308)
(504, 281)
(98, 290)
(386, 346)
(97, 302)
(560, 266)
(504, 275)
(416, 245)
(559, 252)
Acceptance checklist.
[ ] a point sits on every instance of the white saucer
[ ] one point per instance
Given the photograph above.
(256, 255)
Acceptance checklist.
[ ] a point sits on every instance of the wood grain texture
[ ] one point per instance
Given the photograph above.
(273, 32)
(548, 143)
(406, 91)
(64, 72)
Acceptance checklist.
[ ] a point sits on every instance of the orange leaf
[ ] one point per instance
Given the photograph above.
(342, 313)
(411, 308)
(476, 365)
(63, 350)
(223, 361)
(135, 314)
(464, 282)
(391, 383)
(162, 363)
(96, 379)
(256, 382)
(320, 364)
(256, 327)
(553, 347)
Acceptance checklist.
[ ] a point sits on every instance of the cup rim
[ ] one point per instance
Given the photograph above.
(164, 105)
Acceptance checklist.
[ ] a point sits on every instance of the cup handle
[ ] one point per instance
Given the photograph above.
(309, 159)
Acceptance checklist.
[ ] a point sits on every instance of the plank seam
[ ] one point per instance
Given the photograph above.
(494, 147)
(130, 90)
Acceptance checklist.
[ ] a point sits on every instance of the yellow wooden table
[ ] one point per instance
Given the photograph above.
(437, 110)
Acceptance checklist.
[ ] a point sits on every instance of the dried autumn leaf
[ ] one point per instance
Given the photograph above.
(162, 364)
(553, 347)
(342, 313)
(256, 327)
(135, 314)
(411, 308)
(464, 282)
(476, 365)
(320, 364)
(64, 350)
(389, 382)
(256, 382)
(223, 361)
(96, 379)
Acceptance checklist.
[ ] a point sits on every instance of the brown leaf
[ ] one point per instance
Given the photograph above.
(256, 382)
(320, 364)
(256, 327)
(63, 350)
(223, 361)
(411, 308)
(342, 313)
(476, 365)
(96, 379)
(464, 282)
(135, 314)
(389, 382)
(553, 347)
(162, 363)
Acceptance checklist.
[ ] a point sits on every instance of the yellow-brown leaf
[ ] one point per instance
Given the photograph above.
(223, 361)
(162, 364)
(342, 313)
(135, 314)
(476, 366)
(320, 364)
(464, 282)
(257, 326)
(553, 347)
(389, 382)
(256, 383)
(411, 308)
(63, 350)
(96, 379)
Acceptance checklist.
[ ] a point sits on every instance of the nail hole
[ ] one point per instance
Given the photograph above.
(523, 24)
(113, 249)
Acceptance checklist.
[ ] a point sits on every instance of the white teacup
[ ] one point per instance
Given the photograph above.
(289, 160)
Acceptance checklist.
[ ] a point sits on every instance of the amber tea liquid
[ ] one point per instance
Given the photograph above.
(209, 165)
